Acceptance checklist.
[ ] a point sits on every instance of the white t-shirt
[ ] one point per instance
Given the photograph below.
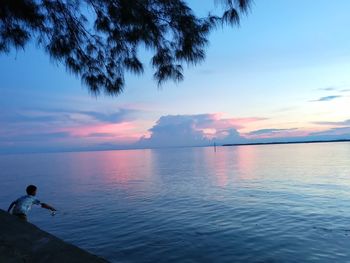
(24, 204)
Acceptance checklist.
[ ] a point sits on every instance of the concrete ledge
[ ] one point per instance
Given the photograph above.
(23, 242)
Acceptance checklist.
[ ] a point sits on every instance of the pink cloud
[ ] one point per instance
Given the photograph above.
(279, 133)
(124, 131)
(218, 121)
(201, 129)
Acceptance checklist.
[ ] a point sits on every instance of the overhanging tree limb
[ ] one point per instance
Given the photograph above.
(101, 44)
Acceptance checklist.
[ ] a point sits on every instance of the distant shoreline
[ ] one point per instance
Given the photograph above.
(292, 142)
(168, 147)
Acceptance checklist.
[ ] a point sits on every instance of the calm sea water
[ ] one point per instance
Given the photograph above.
(275, 203)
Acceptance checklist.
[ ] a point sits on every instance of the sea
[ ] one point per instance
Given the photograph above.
(263, 203)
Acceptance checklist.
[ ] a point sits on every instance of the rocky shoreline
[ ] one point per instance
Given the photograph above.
(23, 242)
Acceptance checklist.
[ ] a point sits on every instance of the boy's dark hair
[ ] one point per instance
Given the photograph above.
(31, 189)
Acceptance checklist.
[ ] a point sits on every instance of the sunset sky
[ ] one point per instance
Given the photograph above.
(282, 75)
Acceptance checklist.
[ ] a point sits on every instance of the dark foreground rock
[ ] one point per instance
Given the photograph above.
(23, 242)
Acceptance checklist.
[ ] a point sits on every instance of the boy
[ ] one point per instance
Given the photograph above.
(24, 203)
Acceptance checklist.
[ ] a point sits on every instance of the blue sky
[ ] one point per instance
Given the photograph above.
(282, 75)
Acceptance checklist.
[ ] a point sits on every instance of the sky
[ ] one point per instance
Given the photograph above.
(283, 75)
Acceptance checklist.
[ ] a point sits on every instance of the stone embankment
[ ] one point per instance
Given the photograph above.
(23, 242)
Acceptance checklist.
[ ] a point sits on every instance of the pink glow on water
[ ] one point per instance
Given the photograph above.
(247, 162)
(116, 168)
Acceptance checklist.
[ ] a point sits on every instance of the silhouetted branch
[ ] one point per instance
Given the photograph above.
(101, 48)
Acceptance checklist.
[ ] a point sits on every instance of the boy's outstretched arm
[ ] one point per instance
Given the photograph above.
(46, 206)
(11, 205)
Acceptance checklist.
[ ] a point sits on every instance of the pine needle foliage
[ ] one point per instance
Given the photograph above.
(98, 40)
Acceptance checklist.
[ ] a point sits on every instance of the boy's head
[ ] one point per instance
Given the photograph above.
(31, 189)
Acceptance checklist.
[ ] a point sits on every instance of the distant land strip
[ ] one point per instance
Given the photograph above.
(292, 142)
